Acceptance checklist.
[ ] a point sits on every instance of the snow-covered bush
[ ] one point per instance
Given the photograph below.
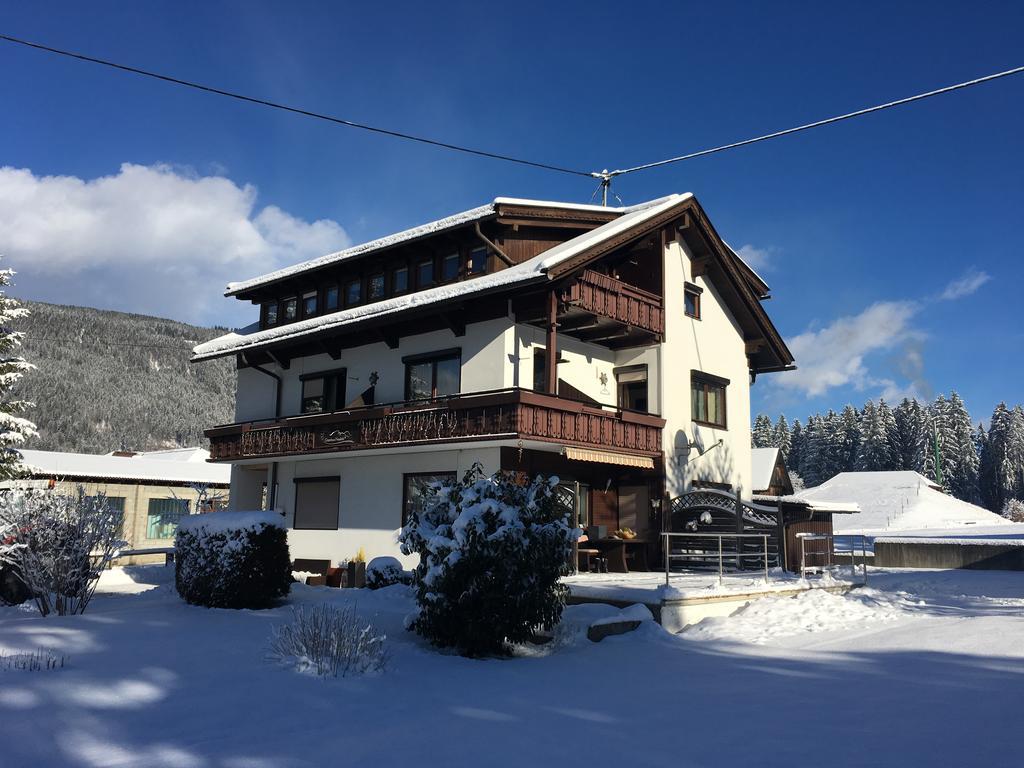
(232, 559)
(491, 551)
(1013, 510)
(329, 641)
(57, 546)
(385, 571)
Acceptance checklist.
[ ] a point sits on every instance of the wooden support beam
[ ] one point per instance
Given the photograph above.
(331, 347)
(280, 358)
(700, 265)
(390, 338)
(456, 321)
(752, 347)
(551, 373)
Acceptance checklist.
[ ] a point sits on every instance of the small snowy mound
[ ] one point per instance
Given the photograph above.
(815, 610)
(385, 571)
(577, 619)
(222, 522)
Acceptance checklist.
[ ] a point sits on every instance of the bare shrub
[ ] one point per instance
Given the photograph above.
(330, 642)
(36, 661)
(58, 545)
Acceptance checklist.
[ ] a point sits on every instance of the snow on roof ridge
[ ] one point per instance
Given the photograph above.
(422, 230)
(532, 269)
(139, 467)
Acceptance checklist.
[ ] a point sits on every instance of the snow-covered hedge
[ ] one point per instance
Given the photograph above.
(385, 571)
(232, 559)
(491, 551)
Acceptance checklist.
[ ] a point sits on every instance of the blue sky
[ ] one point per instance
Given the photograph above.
(161, 194)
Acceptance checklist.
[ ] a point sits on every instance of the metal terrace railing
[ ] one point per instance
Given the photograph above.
(736, 552)
(818, 558)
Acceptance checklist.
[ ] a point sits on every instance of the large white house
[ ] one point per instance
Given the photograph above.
(614, 347)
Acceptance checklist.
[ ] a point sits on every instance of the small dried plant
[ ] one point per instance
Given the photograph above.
(330, 642)
(36, 661)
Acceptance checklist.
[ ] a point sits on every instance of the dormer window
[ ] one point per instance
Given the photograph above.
(400, 280)
(353, 293)
(375, 287)
(425, 273)
(478, 261)
(309, 303)
(270, 313)
(331, 299)
(291, 308)
(450, 267)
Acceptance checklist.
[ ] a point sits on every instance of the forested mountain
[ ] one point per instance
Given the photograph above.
(936, 439)
(106, 379)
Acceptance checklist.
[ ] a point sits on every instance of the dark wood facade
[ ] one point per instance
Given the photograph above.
(516, 414)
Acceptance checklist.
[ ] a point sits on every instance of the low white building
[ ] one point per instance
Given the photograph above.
(614, 347)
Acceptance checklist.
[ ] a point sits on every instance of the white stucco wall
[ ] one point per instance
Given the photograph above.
(713, 344)
(370, 505)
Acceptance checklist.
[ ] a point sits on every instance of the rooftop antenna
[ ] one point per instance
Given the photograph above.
(606, 177)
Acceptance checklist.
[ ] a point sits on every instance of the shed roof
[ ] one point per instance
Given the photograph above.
(176, 466)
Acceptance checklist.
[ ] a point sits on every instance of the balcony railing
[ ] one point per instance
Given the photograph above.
(495, 415)
(605, 296)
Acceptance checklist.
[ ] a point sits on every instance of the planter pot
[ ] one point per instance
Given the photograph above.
(357, 575)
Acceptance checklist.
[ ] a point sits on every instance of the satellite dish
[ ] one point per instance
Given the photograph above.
(682, 443)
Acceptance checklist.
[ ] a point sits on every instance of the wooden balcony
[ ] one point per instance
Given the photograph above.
(603, 310)
(509, 414)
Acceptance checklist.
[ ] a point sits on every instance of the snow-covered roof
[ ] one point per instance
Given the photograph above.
(158, 466)
(762, 462)
(891, 501)
(534, 269)
(415, 233)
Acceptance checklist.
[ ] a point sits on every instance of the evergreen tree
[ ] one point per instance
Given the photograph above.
(960, 455)
(811, 466)
(796, 447)
(781, 438)
(762, 434)
(848, 440)
(874, 454)
(910, 440)
(14, 430)
(997, 476)
(888, 419)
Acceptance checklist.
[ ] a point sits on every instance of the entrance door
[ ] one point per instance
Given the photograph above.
(635, 508)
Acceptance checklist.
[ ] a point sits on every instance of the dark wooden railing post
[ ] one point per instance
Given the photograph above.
(551, 354)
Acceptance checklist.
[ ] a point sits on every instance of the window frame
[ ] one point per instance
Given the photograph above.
(337, 297)
(298, 481)
(265, 313)
(407, 476)
(471, 264)
(185, 505)
(400, 268)
(420, 283)
(447, 259)
(630, 373)
(336, 392)
(282, 314)
(694, 291)
(708, 382)
(370, 297)
(358, 283)
(306, 296)
(433, 358)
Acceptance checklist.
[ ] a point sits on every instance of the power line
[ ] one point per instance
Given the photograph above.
(816, 124)
(296, 110)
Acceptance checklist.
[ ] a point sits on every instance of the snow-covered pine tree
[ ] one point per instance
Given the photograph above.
(14, 429)
(1015, 453)
(796, 447)
(810, 466)
(763, 432)
(910, 435)
(960, 455)
(782, 439)
(833, 447)
(996, 475)
(936, 441)
(849, 440)
(874, 454)
(888, 419)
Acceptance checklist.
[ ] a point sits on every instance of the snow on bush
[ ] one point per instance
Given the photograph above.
(55, 546)
(329, 641)
(491, 551)
(1013, 510)
(385, 571)
(232, 559)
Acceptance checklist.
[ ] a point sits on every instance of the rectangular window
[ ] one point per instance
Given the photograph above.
(478, 261)
(270, 313)
(163, 516)
(449, 267)
(375, 287)
(632, 386)
(434, 375)
(417, 488)
(316, 503)
(291, 309)
(323, 392)
(425, 273)
(707, 399)
(309, 303)
(540, 370)
(116, 505)
(331, 298)
(400, 280)
(353, 293)
(691, 300)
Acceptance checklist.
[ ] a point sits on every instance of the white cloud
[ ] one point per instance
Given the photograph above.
(758, 259)
(970, 282)
(834, 356)
(152, 239)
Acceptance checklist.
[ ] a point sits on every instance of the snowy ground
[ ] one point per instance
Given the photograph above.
(921, 668)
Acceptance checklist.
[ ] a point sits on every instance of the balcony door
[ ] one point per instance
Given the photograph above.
(631, 381)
